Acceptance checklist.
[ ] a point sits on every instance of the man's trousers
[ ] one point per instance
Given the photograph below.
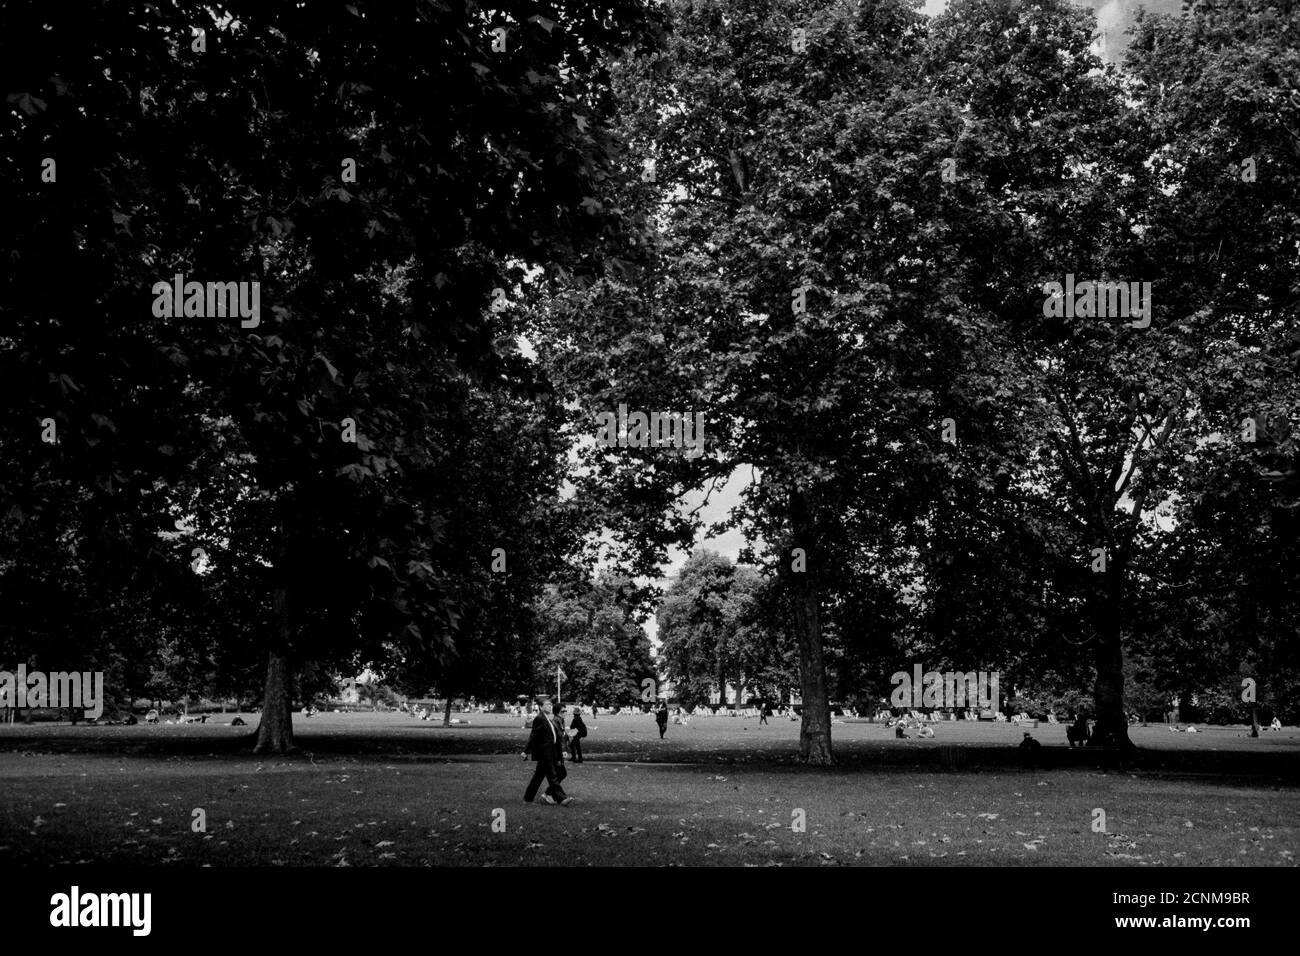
(544, 769)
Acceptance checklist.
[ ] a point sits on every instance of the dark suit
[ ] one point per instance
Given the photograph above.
(544, 747)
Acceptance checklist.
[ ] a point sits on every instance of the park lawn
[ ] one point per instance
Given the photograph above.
(382, 789)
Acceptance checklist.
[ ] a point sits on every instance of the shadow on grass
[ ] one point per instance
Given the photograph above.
(1250, 761)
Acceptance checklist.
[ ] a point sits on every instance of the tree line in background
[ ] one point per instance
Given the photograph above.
(719, 628)
(834, 249)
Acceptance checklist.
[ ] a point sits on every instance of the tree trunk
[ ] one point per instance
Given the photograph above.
(446, 713)
(1111, 729)
(815, 729)
(275, 729)
(1254, 720)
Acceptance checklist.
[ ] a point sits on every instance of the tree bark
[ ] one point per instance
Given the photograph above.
(1111, 729)
(275, 729)
(815, 728)
(446, 713)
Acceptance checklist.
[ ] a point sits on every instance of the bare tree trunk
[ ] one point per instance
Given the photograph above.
(1111, 729)
(275, 730)
(1254, 720)
(446, 713)
(815, 729)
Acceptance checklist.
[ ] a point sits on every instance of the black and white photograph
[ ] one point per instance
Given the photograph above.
(726, 436)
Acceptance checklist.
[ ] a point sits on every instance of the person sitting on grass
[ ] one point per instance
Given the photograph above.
(927, 732)
(1275, 725)
(1029, 748)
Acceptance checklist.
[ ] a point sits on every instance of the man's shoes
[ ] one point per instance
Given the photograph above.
(566, 801)
(547, 798)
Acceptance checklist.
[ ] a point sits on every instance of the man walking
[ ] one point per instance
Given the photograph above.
(764, 712)
(661, 717)
(544, 747)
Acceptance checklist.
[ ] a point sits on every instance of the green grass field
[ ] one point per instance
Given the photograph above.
(384, 789)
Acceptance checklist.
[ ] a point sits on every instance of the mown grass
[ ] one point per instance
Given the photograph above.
(382, 789)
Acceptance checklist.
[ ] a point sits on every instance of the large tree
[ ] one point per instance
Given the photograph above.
(780, 259)
(379, 169)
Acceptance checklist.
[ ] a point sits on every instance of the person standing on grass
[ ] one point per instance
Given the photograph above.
(661, 717)
(764, 712)
(579, 731)
(543, 746)
(561, 739)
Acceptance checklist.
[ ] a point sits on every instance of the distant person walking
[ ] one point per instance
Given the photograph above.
(764, 712)
(579, 729)
(661, 717)
(544, 747)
